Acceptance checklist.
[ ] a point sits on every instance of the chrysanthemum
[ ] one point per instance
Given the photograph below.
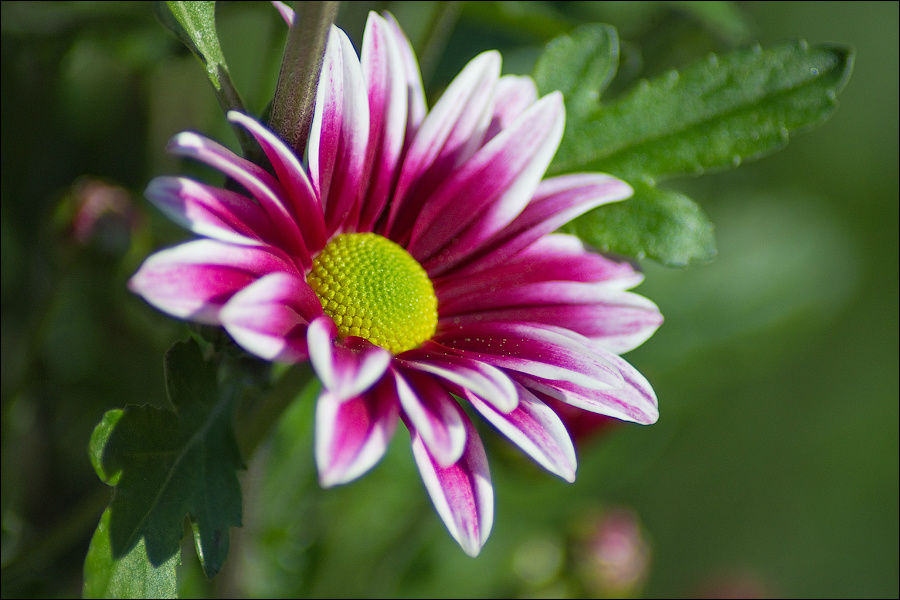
(413, 263)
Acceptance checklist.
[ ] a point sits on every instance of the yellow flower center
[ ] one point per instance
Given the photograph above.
(373, 288)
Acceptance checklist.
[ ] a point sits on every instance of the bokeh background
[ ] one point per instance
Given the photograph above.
(773, 470)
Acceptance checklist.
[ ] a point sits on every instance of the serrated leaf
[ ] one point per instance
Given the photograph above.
(173, 464)
(580, 65)
(660, 224)
(712, 115)
(131, 575)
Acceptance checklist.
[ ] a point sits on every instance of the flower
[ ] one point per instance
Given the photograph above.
(414, 265)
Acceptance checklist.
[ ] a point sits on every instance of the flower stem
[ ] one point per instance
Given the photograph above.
(295, 96)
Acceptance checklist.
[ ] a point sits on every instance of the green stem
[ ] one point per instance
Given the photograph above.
(295, 96)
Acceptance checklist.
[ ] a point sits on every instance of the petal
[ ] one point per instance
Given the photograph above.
(253, 178)
(633, 401)
(305, 206)
(415, 91)
(286, 12)
(340, 131)
(462, 493)
(194, 280)
(542, 351)
(449, 135)
(348, 367)
(488, 382)
(383, 70)
(556, 202)
(513, 95)
(434, 414)
(268, 317)
(213, 212)
(536, 429)
(491, 188)
(353, 434)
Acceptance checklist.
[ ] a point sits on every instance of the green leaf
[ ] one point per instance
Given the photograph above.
(195, 24)
(171, 464)
(712, 115)
(580, 65)
(99, 437)
(660, 224)
(129, 576)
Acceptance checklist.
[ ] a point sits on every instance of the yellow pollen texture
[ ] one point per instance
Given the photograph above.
(372, 288)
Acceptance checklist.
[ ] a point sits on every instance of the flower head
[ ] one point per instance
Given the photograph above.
(413, 264)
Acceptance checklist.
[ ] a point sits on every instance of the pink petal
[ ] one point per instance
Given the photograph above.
(347, 367)
(556, 202)
(633, 401)
(434, 414)
(195, 279)
(383, 70)
(340, 132)
(536, 429)
(490, 383)
(415, 91)
(352, 434)
(305, 206)
(268, 317)
(213, 212)
(462, 493)
(542, 351)
(255, 180)
(449, 135)
(513, 95)
(491, 188)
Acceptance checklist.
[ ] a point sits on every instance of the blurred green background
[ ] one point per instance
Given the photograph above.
(773, 469)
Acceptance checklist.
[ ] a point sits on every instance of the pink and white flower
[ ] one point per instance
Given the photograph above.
(412, 262)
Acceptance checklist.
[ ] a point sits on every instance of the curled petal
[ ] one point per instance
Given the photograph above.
(633, 401)
(535, 428)
(195, 279)
(352, 434)
(462, 493)
(340, 132)
(212, 212)
(269, 317)
(434, 414)
(346, 368)
(286, 12)
(306, 209)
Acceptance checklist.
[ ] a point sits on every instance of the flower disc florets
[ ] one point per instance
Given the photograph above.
(372, 288)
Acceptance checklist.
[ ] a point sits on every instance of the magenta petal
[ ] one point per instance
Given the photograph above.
(212, 212)
(269, 317)
(195, 279)
(536, 429)
(340, 132)
(255, 180)
(491, 188)
(633, 401)
(449, 135)
(306, 209)
(346, 368)
(415, 91)
(286, 12)
(352, 434)
(434, 414)
(512, 96)
(542, 351)
(556, 202)
(487, 381)
(462, 493)
(383, 70)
